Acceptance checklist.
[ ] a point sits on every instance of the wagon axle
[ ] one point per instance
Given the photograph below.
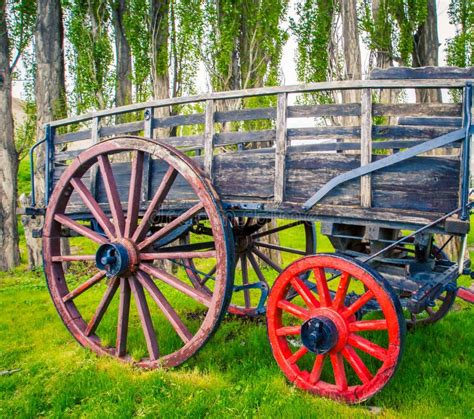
(116, 259)
(319, 335)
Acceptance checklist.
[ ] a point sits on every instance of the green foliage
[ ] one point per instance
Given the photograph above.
(460, 49)
(391, 30)
(91, 54)
(312, 30)
(21, 19)
(25, 134)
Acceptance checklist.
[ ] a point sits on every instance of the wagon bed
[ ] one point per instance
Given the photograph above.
(275, 170)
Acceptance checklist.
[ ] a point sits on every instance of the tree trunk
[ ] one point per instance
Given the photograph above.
(352, 57)
(123, 87)
(50, 93)
(425, 51)
(10, 255)
(159, 32)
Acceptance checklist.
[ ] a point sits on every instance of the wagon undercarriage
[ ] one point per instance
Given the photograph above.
(197, 214)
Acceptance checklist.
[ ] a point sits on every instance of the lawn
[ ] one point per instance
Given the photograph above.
(234, 374)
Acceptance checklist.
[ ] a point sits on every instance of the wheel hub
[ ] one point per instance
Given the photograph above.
(319, 335)
(116, 259)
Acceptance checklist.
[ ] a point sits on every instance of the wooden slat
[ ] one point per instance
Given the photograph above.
(128, 128)
(323, 132)
(209, 138)
(95, 135)
(148, 133)
(417, 109)
(230, 138)
(186, 141)
(404, 73)
(178, 120)
(73, 137)
(281, 144)
(245, 115)
(366, 146)
(431, 121)
(312, 111)
(397, 132)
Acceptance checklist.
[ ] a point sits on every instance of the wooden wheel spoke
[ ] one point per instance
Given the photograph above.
(73, 258)
(256, 268)
(178, 255)
(357, 364)
(276, 229)
(430, 311)
(288, 330)
(165, 307)
(358, 304)
(123, 317)
(80, 229)
(341, 291)
(363, 325)
(322, 287)
(176, 283)
(339, 374)
(293, 309)
(209, 275)
(85, 286)
(245, 280)
(367, 346)
(134, 197)
(280, 248)
(94, 207)
(112, 194)
(267, 260)
(171, 226)
(305, 293)
(145, 319)
(103, 305)
(293, 359)
(317, 369)
(155, 203)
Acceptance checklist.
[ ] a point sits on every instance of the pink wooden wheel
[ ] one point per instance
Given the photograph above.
(317, 339)
(160, 330)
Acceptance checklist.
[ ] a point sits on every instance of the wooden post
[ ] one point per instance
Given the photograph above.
(209, 138)
(366, 146)
(281, 144)
(148, 132)
(95, 136)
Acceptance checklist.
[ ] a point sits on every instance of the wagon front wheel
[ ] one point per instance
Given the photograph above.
(344, 338)
(120, 260)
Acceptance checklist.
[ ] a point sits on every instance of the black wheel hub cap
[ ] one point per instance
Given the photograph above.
(319, 335)
(113, 259)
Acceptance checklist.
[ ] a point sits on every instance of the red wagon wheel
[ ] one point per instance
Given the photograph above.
(125, 253)
(254, 266)
(317, 339)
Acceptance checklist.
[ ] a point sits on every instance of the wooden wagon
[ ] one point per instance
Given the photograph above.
(201, 211)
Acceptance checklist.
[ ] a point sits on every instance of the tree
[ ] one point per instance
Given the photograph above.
(460, 49)
(50, 90)
(10, 255)
(123, 82)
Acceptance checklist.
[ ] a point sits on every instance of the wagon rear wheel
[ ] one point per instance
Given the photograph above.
(255, 268)
(118, 262)
(317, 339)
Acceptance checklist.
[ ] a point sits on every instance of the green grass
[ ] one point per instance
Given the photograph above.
(234, 374)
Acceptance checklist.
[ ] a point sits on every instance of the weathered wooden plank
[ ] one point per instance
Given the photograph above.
(179, 120)
(398, 132)
(67, 155)
(431, 121)
(196, 141)
(366, 146)
(128, 128)
(209, 138)
(229, 138)
(323, 132)
(71, 137)
(148, 125)
(95, 136)
(313, 111)
(417, 109)
(281, 144)
(245, 115)
(403, 73)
